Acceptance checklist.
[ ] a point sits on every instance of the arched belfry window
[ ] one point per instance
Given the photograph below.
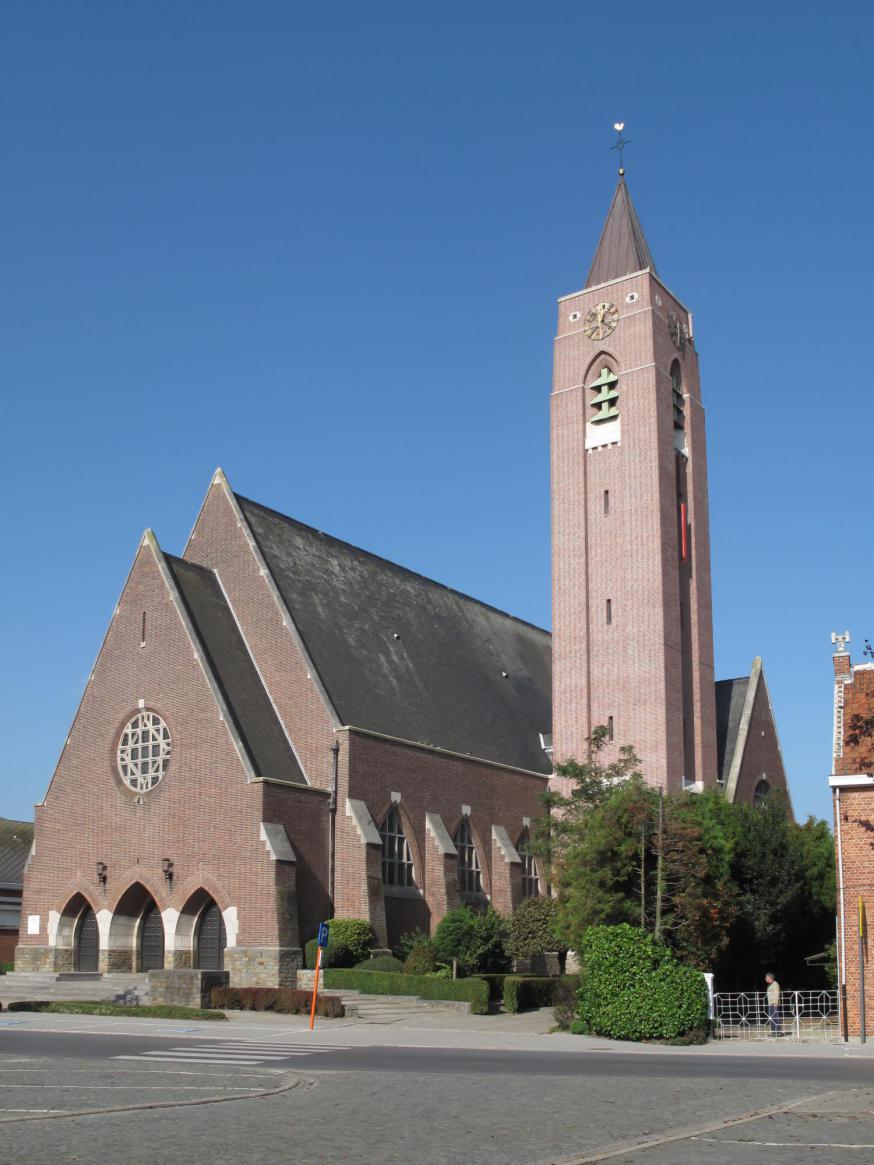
(761, 791)
(530, 877)
(469, 872)
(677, 396)
(605, 401)
(397, 861)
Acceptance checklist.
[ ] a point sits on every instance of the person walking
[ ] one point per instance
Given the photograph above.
(773, 996)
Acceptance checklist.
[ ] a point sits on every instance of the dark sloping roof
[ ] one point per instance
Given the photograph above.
(404, 656)
(730, 698)
(254, 715)
(16, 838)
(623, 248)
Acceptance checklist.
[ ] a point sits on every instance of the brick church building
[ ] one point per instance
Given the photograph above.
(280, 726)
(852, 785)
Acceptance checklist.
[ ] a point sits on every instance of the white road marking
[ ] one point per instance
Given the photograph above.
(172, 1060)
(783, 1144)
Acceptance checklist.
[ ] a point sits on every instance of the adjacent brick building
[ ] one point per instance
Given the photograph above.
(852, 784)
(16, 838)
(280, 725)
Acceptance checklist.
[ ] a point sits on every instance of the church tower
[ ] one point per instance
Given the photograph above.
(632, 621)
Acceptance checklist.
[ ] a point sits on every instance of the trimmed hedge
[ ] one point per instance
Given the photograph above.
(137, 1011)
(472, 991)
(380, 963)
(285, 1000)
(523, 991)
(634, 989)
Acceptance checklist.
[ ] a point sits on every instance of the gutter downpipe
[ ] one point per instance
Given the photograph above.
(843, 932)
(332, 829)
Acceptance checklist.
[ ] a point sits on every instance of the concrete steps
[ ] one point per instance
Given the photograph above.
(70, 986)
(391, 1008)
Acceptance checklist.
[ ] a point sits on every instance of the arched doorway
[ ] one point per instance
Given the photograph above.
(151, 938)
(211, 939)
(86, 942)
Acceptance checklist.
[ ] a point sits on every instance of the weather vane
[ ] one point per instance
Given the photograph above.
(621, 143)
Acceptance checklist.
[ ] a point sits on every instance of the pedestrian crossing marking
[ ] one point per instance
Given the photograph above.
(243, 1053)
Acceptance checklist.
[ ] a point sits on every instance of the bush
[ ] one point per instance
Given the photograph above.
(565, 1002)
(136, 1011)
(472, 991)
(475, 940)
(285, 1000)
(523, 992)
(634, 989)
(380, 963)
(421, 960)
(406, 943)
(4, 967)
(533, 930)
(350, 941)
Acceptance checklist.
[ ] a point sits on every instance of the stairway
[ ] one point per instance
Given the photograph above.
(391, 1008)
(73, 986)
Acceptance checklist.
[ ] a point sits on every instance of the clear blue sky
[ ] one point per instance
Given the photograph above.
(320, 245)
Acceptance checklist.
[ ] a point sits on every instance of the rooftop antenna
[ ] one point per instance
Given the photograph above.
(621, 143)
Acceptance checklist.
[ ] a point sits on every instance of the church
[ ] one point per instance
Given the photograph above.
(281, 727)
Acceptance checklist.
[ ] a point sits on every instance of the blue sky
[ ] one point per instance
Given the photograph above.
(321, 247)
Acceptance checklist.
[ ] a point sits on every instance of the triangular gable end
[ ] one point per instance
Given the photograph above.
(220, 482)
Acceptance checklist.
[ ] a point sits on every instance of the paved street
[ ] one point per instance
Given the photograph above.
(266, 1092)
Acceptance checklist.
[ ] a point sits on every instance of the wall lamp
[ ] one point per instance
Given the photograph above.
(167, 867)
(101, 873)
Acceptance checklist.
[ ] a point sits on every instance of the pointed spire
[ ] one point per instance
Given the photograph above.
(622, 249)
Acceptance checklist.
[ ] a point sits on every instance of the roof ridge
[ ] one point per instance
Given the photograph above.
(395, 565)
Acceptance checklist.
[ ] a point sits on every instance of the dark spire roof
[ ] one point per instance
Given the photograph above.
(622, 248)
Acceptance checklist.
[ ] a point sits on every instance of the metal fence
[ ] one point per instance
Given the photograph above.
(800, 1015)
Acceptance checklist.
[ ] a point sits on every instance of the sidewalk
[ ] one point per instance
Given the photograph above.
(430, 1028)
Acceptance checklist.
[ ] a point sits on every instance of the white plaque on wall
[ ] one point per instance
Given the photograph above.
(33, 924)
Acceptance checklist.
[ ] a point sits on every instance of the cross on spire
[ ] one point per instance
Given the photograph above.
(621, 143)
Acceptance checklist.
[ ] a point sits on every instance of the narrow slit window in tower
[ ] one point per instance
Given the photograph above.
(606, 501)
(609, 727)
(609, 610)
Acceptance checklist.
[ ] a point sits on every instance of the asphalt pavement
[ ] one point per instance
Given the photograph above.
(263, 1090)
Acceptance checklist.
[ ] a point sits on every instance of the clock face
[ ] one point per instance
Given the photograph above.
(677, 330)
(601, 321)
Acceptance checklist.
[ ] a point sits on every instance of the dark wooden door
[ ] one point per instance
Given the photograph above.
(211, 939)
(151, 939)
(87, 942)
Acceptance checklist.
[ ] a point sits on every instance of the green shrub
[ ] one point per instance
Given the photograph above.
(380, 963)
(565, 1002)
(533, 930)
(634, 989)
(406, 943)
(350, 941)
(472, 991)
(475, 940)
(285, 1000)
(421, 960)
(333, 955)
(4, 967)
(136, 1011)
(522, 992)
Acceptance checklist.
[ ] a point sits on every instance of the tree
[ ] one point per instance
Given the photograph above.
(533, 930)
(474, 940)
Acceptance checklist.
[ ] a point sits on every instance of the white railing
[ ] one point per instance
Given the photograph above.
(800, 1015)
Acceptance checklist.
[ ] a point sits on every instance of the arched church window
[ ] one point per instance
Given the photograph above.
(761, 791)
(530, 878)
(469, 872)
(397, 861)
(677, 396)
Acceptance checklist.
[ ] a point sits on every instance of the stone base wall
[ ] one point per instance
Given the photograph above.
(116, 961)
(43, 958)
(544, 965)
(185, 988)
(263, 966)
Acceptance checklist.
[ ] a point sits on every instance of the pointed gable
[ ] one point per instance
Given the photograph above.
(622, 248)
(405, 657)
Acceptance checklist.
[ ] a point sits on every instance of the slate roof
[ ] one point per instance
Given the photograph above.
(622, 248)
(16, 838)
(405, 656)
(255, 717)
(730, 697)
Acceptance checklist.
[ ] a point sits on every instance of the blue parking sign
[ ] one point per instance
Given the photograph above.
(323, 934)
